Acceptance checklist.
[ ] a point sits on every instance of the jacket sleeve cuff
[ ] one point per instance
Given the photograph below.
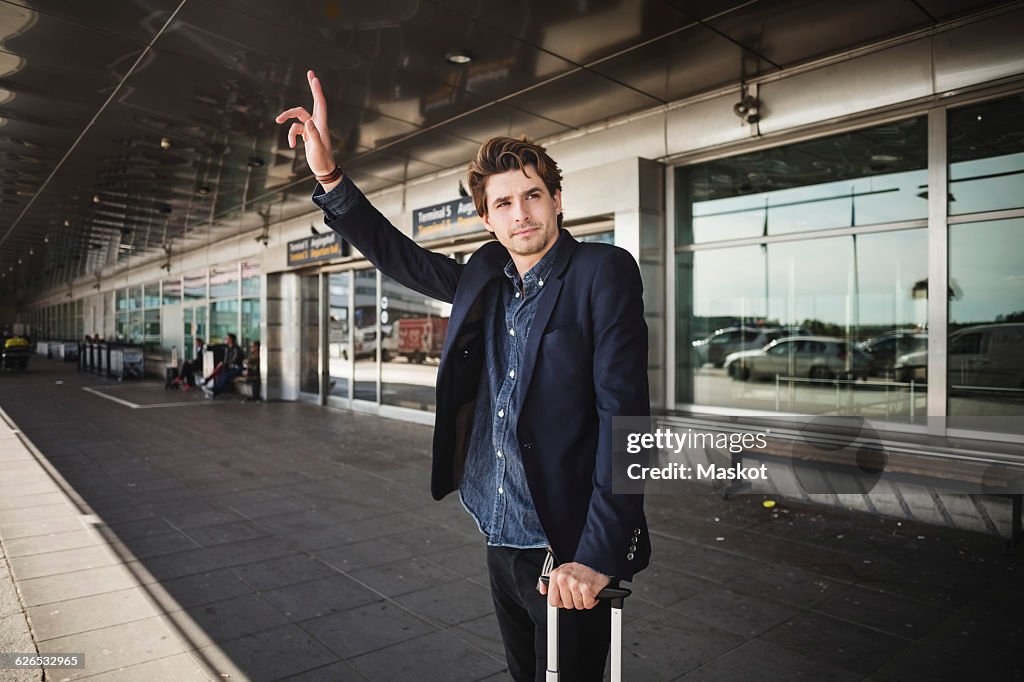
(338, 201)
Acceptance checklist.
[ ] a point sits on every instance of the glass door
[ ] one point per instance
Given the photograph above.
(365, 332)
(194, 318)
(309, 335)
(339, 336)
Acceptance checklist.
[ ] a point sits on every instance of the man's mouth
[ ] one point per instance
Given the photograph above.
(529, 230)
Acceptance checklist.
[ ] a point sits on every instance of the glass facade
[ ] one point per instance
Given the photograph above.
(985, 352)
(413, 329)
(792, 295)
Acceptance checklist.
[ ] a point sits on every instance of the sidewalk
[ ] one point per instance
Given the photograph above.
(184, 539)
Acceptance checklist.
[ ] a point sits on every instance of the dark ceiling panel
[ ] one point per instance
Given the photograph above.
(579, 32)
(580, 99)
(685, 63)
(942, 10)
(790, 31)
(136, 21)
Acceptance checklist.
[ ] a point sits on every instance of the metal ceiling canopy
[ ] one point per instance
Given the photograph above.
(131, 127)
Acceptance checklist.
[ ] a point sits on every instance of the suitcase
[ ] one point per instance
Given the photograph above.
(170, 374)
(616, 595)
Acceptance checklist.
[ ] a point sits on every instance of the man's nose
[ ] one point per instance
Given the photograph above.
(522, 215)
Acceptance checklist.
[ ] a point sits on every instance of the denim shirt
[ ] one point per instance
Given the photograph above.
(493, 487)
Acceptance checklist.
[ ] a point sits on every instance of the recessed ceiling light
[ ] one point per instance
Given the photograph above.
(459, 57)
(165, 143)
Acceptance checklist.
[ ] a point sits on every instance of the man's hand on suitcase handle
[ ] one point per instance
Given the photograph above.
(573, 586)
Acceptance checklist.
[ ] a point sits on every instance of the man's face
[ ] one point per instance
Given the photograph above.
(521, 213)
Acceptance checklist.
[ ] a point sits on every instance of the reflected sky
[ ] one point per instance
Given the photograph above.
(986, 269)
(847, 281)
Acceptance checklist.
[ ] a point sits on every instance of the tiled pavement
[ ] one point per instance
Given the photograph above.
(190, 540)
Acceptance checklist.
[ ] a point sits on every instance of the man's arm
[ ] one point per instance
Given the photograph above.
(349, 213)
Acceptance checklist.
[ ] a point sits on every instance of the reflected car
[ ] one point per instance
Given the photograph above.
(886, 349)
(986, 355)
(720, 344)
(814, 357)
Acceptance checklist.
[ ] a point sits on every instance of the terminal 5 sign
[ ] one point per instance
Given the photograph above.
(454, 218)
(317, 248)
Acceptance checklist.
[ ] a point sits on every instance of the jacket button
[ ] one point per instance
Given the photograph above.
(636, 531)
(630, 556)
(465, 353)
(632, 548)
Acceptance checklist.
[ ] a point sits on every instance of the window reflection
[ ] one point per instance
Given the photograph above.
(986, 318)
(309, 349)
(986, 156)
(364, 335)
(413, 329)
(339, 334)
(813, 326)
(864, 177)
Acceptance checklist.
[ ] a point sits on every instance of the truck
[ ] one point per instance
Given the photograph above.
(420, 338)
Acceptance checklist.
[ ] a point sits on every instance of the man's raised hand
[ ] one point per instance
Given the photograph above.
(312, 128)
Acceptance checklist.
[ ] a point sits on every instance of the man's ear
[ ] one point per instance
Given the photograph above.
(487, 222)
(558, 201)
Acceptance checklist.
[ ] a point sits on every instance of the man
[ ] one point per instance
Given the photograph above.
(189, 368)
(226, 370)
(546, 343)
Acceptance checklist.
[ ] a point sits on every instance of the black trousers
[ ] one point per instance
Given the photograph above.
(583, 636)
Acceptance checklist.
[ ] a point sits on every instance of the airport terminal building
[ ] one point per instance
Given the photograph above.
(826, 201)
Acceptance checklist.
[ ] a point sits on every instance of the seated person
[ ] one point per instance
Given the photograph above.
(225, 371)
(189, 368)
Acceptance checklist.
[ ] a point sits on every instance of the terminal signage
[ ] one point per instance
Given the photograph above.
(316, 248)
(454, 218)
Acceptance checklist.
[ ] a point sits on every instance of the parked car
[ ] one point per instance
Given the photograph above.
(885, 349)
(816, 357)
(986, 355)
(721, 343)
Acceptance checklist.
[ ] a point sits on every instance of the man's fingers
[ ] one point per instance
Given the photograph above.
(295, 112)
(541, 587)
(295, 130)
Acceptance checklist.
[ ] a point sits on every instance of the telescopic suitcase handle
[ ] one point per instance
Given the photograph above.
(616, 595)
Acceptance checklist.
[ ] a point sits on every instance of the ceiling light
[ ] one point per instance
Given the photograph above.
(459, 57)
(96, 198)
(165, 143)
(254, 162)
(67, 223)
(202, 190)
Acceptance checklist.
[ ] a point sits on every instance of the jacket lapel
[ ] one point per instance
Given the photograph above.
(545, 306)
(492, 257)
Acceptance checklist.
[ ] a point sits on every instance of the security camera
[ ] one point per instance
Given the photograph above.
(747, 109)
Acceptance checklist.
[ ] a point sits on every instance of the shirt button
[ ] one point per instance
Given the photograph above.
(501, 413)
(500, 455)
(501, 491)
(540, 283)
(512, 332)
(517, 294)
(512, 374)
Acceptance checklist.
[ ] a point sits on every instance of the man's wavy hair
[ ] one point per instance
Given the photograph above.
(502, 154)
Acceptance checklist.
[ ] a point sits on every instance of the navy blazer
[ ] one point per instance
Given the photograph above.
(585, 362)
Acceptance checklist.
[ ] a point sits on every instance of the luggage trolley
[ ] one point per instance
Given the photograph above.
(616, 595)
